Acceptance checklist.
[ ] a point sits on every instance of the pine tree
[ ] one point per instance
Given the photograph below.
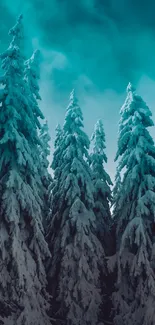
(102, 183)
(76, 252)
(22, 244)
(102, 198)
(135, 295)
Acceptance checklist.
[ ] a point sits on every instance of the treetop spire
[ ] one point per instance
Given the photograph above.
(73, 99)
(130, 87)
(17, 31)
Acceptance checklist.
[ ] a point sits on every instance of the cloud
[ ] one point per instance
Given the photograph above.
(110, 42)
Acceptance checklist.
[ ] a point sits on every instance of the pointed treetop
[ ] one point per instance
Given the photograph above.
(58, 129)
(98, 156)
(33, 63)
(100, 122)
(72, 94)
(36, 56)
(45, 126)
(20, 17)
(17, 32)
(130, 87)
(73, 98)
(99, 126)
(130, 97)
(98, 136)
(74, 117)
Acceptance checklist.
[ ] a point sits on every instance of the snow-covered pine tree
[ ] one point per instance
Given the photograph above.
(77, 254)
(134, 298)
(22, 244)
(102, 183)
(102, 197)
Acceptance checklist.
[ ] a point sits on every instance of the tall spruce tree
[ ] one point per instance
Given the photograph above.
(102, 197)
(77, 253)
(135, 290)
(102, 183)
(22, 244)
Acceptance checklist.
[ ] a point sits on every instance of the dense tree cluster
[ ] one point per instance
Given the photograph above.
(66, 257)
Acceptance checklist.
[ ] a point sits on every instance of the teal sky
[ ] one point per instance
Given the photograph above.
(94, 46)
